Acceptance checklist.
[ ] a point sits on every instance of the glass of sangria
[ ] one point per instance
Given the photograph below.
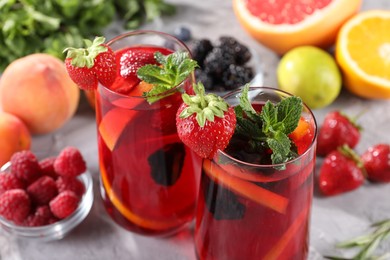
(149, 178)
(250, 208)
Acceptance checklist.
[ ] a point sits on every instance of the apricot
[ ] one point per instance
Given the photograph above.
(14, 136)
(37, 89)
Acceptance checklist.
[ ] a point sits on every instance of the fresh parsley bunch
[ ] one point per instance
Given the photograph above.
(49, 26)
(269, 129)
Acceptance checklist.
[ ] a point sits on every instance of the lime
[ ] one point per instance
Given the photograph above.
(310, 73)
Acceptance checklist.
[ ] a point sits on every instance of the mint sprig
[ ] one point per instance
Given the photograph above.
(173, 69)
(269, 128)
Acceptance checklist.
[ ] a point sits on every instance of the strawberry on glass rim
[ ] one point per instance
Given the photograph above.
(205, 123)
(88, 66)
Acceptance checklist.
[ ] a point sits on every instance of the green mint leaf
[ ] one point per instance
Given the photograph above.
(289, 112)
(280, 145)
(173, 69)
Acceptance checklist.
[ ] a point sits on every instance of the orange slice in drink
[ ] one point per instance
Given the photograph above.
(288, 236)
(247, 189)
(114, 121)
(363, 53)
(127, 213)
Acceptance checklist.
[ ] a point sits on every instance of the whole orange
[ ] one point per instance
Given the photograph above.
(284, 24)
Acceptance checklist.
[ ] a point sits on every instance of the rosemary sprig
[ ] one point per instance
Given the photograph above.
(367, 243)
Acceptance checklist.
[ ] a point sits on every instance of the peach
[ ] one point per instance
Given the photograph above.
(37, 89)
(14, 136)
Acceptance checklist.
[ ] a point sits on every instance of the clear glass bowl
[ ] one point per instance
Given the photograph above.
(59, 229)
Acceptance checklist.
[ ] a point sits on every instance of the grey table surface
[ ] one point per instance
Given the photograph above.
(333, 219)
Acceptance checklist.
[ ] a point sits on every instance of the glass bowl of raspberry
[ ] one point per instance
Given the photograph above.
(44, 199)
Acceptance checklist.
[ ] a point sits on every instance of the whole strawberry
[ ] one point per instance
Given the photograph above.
(96, 63)
(15, 205)
(337, 130)
(341, 171)
(205, 123)
(376, 161)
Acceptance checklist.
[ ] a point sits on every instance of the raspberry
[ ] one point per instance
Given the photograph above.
(42, 190)
(64, 204)
(15, 205)
(25, 166)
(47, 167)
(9, 181)
(69, 163)
(72, 184)
(42, 216)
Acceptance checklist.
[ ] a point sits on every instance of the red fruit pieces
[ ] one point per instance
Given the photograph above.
(340, 173)
(41, 216)
(15, 205)
(337, 130)
(42, 190)
(82, 76)
(205, 141)
(303, 135)
(47, 167)
(131, 60)
(70, 162)
(9, 181)
(105, 67)
(376, 161)
(72, 184)
(64, 204)
(25, 166)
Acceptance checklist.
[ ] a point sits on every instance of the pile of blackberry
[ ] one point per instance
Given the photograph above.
(223, 65)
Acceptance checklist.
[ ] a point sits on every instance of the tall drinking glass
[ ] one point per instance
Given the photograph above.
(149, 178)
(256, 211)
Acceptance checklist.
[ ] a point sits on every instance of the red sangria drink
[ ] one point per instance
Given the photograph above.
(149, 178)
(255, 195)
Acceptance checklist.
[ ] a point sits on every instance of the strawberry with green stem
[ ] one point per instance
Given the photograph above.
(88, 66)
(205, 123)
(337, 129)
(342, 171)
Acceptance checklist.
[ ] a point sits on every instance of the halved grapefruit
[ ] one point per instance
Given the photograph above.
(284, 24)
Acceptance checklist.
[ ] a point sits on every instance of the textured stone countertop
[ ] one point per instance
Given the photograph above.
(333, 219)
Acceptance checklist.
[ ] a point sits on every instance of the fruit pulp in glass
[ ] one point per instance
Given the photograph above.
(149, 177)
(254, 211)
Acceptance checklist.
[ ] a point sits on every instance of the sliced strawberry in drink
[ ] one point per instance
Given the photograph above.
(132, 59)
(247, 189)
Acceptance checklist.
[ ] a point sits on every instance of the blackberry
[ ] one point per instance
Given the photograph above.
(236, 76)
(182, 33)
(167, 164)
(217, 61)
(199, 50)
(203, 77)
(240, 52)
(221, 202)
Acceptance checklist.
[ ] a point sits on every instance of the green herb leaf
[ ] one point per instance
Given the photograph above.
(174, 69)
(368, 243)
(271, 127)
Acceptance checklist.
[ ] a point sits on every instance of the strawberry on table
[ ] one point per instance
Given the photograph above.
(205, 123)
(341, 171)
(337, 130)
(376, 161)
(88, 66)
